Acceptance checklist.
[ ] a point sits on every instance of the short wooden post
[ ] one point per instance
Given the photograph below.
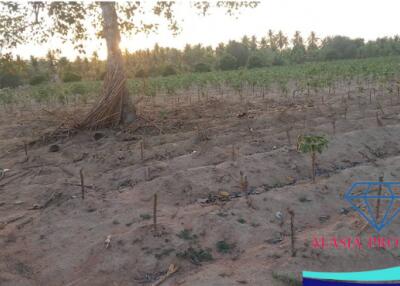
(82, 183)
(378, 203)
(155, 212)
(292, 233)
(141, 150)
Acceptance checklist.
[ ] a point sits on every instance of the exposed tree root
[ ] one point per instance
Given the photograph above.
(114, 108)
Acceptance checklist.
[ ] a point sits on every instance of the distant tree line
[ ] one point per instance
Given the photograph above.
(250, 52)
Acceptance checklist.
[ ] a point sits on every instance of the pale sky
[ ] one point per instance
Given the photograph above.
(368, 19)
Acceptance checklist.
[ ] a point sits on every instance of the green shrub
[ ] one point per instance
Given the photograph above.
(278, 61)
(6, 96)
(71, 77)
(255, 61)
(38, 79)
(140, 73)
(286, 279)
(102, 76)
(241, 220)
(196, 256)
(42, 93)
(78, 88)
(227, 62)
(186, 234)
(169, 70)
(10, 80)
(145, 216)
(202, 67)
(224, 247)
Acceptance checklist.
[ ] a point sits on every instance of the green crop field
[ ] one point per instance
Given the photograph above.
(346, 75)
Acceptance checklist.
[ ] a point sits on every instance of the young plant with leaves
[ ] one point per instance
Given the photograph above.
(312, 144)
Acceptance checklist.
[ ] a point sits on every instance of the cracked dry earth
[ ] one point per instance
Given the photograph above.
(50, 236)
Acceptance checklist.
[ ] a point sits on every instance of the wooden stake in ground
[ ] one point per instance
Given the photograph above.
(378, 203)
(244, 184)
(155, 213)
(292, 232)
(82, 183)
(370, 96)
(146, 174)
(378, 121)
(288, 135)
(26, 151)
(141, 150)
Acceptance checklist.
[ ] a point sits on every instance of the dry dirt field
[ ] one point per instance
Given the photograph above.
(206, 225)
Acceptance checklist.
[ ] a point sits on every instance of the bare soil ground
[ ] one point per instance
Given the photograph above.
(50, 236)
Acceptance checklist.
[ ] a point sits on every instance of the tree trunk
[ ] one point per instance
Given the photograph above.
(313, 166)
(115, 106)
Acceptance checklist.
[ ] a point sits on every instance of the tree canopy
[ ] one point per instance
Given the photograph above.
(77, 22)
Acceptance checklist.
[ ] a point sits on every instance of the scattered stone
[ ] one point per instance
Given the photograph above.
(279, 215)
(18, 203)
(35, 207)
(107, 242)
(242, 114)
(223, 274)
(236, 194)
(54, 148)
(223, 196)
(274, 240)
(3, 172)
(210, 199)
(81, 157)
(252, 191)
(291, 180)
(202, 201)
(344, 211)
(304, 199)
(324, 218)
